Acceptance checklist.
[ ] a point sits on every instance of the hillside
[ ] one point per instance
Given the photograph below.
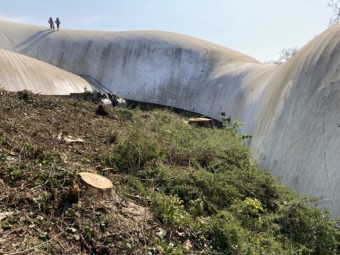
(178, 189)
(290, 109)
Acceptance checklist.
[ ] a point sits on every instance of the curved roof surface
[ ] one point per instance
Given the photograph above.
(291, 109)
(19, 72)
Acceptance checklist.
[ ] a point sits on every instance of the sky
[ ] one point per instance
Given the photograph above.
(258, 28)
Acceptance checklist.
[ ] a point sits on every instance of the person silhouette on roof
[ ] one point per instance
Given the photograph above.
(57, 21)
(50, 21)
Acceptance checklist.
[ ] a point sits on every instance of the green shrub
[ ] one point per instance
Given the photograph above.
(207, 186)
(136, 149)
(309, 228)
(26, 95)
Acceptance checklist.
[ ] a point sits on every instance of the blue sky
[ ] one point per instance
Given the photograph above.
(259, 28)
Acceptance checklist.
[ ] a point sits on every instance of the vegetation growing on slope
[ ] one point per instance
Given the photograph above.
(179, 189)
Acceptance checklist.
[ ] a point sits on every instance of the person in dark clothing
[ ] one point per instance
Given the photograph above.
(57, 21)
(50, 21)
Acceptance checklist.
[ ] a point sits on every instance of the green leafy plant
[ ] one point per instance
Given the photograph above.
(171, 210)
(252, 206)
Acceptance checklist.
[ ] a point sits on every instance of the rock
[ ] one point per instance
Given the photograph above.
(161, 233)
(145, 115)
(187, 246)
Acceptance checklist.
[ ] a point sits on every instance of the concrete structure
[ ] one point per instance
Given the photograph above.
(290, 109)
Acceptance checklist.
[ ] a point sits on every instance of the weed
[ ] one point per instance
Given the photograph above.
(168, 248)
(135, 185)
(234, 127)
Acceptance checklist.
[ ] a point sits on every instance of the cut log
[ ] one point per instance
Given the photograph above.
(95, 185)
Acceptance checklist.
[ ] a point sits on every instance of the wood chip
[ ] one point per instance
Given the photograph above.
(4, 215)
(70, 139)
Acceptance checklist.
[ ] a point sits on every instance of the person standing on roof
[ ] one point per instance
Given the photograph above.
(57, 21)
(50, 21)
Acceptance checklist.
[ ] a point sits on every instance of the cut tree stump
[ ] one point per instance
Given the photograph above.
(96, 186)
(201, 122)
(73, 193)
